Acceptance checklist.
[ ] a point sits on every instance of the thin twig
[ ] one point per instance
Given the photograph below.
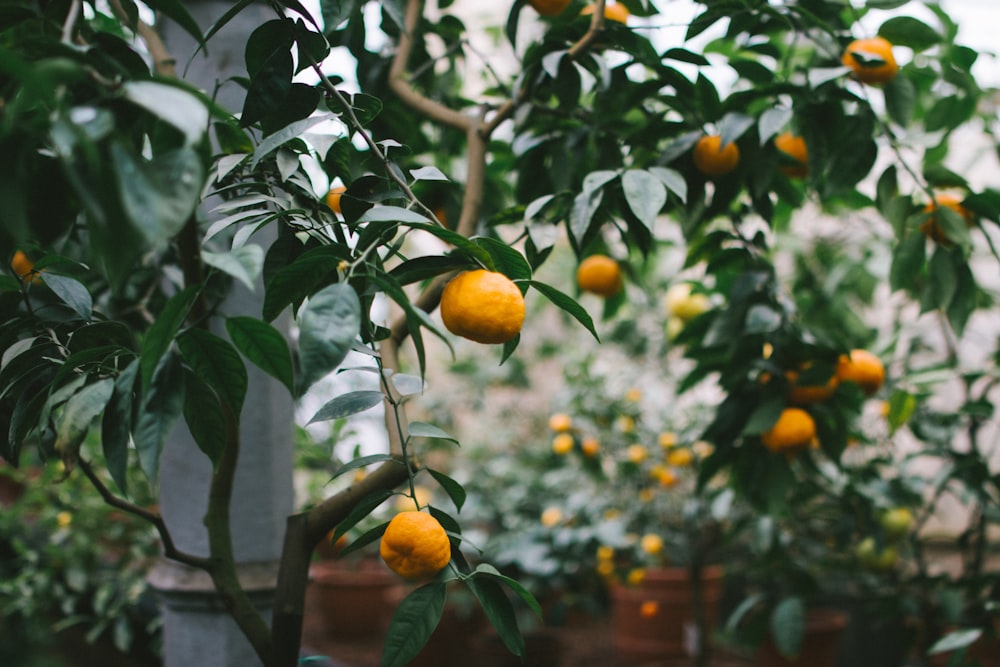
(70, 23)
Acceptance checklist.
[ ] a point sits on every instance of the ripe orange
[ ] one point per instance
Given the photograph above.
(651, 543)
(863, 368)
(794, 147)
(549, 7)
(680, 458)
(560, 422)
(871, 60)
(333, 197)
(649, 608)
(562, 444)
(931, 227)
(599, 274)
(794, 430)
(613, 12)
(415, 546)
(24, 267)
(590, 447)
(712, 158)
(484, 306)
(802, 394)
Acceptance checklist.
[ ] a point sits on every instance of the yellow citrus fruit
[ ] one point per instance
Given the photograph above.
(682, 304)
(794, 430)
(667, 477)
(712, 158)
(612, 12)
(549, 7)
(484, 306)
(415, 545)
(636, 576)
(551, 516)
(649, 608)
(931, 227)
(680, 458)
(633, 395)
(651, 543)
(625, 423)
(862, 368)
(599, 274)
(24, 267)
(333, 197)
(560, 422)
(794, 147)
(562, 444)
(605, 568)
(871, 60)
(590, 447)
(803, 394)
(668, 439)
(636, 454)
(605, 552)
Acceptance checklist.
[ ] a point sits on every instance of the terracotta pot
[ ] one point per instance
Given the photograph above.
(350, 600)
(655, 620)
(820, 642)
(541, 649)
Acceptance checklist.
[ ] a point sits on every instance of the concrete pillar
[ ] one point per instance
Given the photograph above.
(197, 629)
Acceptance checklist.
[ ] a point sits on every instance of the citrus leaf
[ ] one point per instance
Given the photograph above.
(507, 260)
(328, 326)
(80, 411)
(244, 264)
(361, 462)
(161, 333)
(568, 304)
(361, 511)
(264, 346)
(364, 539)
(204, 416)
(485, 569)
(294, 282)
(172, 104)
(911, 32)
(413, 623)
(454, 490)
(425, 430)
(956, 640)
(499, 611)
(116, 425)
(217, 363)
(162, 405)
(773, 121)
(645, 194)
(346, 405)
(674, 180)
(788, 623)
(71, 292)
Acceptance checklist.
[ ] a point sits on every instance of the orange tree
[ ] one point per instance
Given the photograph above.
(599, 137)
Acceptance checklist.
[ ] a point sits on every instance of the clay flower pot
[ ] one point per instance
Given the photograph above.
(655, 620)
(349, 599)
(820, 642)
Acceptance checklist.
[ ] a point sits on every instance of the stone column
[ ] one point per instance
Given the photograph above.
(197, 629)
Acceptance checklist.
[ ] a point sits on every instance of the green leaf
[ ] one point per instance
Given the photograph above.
(788, 624)
(116, 425)
(487, 570)
(364, 507)
(499, 611)
(955, 640)
(900, 99)
(294, 282)
(454, 490)
(264, 346)
(425, 430)
(161, 407)
(772, 121)
(284, 135)
(161, 333)
(180, 15)
(347, 404)
(507, 260)
(392, 214)
(911, 32)
(328, 327)
(79, 412)
(204, 415)
(568, 304)
(764, 415)
(216, 362)
(907, 262)
(158, 195)
(645, 194)
(71, 292)
(902, 405)
(243, 263)
(413, 623)
(172, 104)
(361, 462)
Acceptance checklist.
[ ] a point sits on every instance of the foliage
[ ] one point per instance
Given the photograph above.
(125, 327)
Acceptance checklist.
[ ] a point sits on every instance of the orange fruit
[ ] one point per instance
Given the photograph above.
(415, 545)
(613, 12)
(562, 444)
(590, 447)
(549, 7)
(794, 430)
(333, 197)
(551, 517)
(636, 454)
(803, 394)
(794, 147)
(24, 267)
(560, 422)
(932, 229)
(712, 158)
(871, 60)
(649, 608)
(862, 368)
(599, 274)
(483, 306)
(680, 458)
(651, 543)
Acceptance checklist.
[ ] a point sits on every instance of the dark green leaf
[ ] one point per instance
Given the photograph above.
(328, 327)
(506, 259)
(645, 194)
(499, 611)
(264, 346)
(161, 333)
(485, 569)
(294, 282)
(172, 104)
(80, 411)
(216, 362)
(413, 623)
(911, 32)
(161, 407)
(348, 404)
(361, 510)
(900, 99)
(425, 430)
(361, 462)
(176, 11)
(764, 415)
(788, 623)
(116, 425)
(204, 415)
(907, 262)
(71, 292)
(454, 490)
(568, 304)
